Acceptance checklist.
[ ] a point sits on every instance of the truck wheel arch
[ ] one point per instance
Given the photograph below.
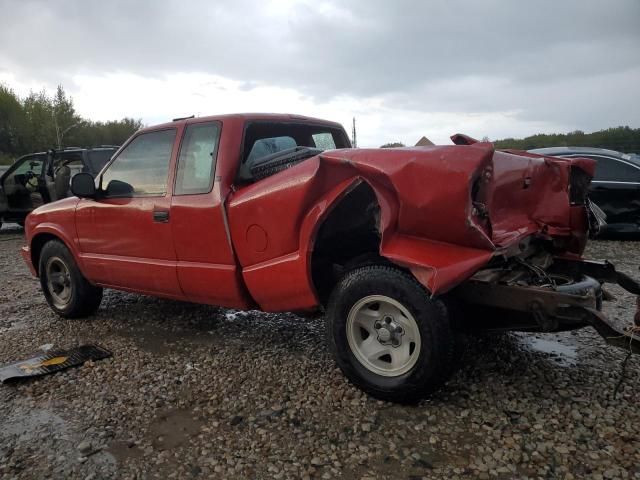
(437, 266)
(38, 241)
(345, 234)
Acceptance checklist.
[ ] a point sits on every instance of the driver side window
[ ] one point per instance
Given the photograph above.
(614, 170)
(142, 167)
(24, 175)
(33, 164)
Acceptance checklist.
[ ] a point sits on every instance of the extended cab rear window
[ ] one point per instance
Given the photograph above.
(266, 146)
(265, 139)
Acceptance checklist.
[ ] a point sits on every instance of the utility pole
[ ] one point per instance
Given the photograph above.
(354, 140)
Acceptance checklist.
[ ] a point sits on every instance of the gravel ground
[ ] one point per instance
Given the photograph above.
(198, 392)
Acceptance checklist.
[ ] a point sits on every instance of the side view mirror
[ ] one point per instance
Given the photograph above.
(83, 185)
(118, 188)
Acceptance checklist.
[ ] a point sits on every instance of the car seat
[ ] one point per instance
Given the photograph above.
(62, 182)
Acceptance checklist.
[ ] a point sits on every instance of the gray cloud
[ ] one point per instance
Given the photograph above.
(576, 61)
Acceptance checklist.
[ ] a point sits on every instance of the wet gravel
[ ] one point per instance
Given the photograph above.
(199, 392)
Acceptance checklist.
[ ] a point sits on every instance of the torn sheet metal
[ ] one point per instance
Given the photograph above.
(52, 361)
(445, 211)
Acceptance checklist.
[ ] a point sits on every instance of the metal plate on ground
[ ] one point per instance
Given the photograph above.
(51, 362)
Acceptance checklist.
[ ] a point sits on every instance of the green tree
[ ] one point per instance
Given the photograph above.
(39, 122)
(40, 131)
(392, 145)
(64, 115)
(113, 132)
(12, 123)
(623, 139)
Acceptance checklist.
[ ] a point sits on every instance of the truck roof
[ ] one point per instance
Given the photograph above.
(244, 117)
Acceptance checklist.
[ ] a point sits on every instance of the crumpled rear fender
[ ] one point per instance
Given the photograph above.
(262, 217)
(437, 266)
(444, 213)
(425, 226)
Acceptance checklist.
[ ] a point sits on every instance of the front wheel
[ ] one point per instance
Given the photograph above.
(67, 292)
(387, 336)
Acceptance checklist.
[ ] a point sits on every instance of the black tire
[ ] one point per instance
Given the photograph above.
(433, 365)
(82, 299)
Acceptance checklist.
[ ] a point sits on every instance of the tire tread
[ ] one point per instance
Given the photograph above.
(423, 379)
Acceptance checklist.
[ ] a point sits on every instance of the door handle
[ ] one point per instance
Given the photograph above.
(161, 216)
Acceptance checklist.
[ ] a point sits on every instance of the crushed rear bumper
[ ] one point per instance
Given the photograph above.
(550, 310)
(605, 272)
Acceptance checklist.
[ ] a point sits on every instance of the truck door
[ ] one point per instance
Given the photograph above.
(22, 186)
(207, 268)
(125, 235)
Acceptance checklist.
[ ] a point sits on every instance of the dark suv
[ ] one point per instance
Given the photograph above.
(44, 177)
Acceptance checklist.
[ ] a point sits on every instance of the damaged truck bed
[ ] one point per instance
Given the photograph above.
(401, 248)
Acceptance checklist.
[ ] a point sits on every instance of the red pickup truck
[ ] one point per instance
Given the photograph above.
(401, 248)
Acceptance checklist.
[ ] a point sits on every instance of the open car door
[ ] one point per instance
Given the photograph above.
(23, 187)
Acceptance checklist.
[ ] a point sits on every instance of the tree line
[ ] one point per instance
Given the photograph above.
(622, 139)
(39, 122)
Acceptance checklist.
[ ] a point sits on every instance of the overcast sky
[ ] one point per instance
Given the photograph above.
(403, 68)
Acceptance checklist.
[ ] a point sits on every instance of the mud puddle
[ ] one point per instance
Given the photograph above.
(563, 355)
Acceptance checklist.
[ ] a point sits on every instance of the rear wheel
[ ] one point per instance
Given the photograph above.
(387, 336)
(67, 292)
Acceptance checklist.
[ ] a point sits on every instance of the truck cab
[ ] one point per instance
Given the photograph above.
(158, 223)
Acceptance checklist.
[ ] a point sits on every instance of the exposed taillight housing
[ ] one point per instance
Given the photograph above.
(579, 183)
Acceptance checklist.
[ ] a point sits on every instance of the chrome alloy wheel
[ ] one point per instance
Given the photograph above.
(383, 335)
(58, 281)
